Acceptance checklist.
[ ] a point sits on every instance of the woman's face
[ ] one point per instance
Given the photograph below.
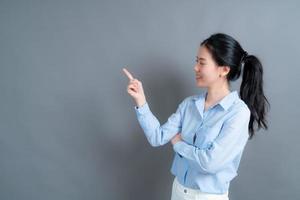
(206, 70)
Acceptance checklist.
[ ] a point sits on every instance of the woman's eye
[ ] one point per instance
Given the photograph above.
(197, 61)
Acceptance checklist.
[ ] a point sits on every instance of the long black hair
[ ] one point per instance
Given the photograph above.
(226, 51)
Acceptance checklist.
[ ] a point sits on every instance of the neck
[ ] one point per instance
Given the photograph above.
(216, 93)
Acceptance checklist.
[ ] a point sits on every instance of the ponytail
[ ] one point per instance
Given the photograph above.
(251, 92)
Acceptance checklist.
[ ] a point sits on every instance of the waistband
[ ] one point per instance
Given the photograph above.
(193, 192)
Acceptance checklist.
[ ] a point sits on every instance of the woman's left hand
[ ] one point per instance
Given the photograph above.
(176, 138)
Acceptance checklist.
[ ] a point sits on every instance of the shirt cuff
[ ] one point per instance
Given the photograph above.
(178, 147)
(142, 109)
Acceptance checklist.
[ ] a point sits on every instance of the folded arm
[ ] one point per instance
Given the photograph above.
(156, 133)
(230, 141)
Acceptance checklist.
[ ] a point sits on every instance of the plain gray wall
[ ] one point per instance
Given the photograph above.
(68, 126)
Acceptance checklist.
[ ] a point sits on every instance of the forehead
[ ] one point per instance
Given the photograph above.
(203, 53)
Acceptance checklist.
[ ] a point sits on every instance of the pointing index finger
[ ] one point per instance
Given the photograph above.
(128, 74)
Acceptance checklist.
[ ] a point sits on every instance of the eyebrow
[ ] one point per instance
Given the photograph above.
(200, 58)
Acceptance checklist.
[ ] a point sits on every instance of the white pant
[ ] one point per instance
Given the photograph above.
(180, 192)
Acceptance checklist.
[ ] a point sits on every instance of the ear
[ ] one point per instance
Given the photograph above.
(224, 70)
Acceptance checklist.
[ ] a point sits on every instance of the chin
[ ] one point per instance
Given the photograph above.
(201, 85)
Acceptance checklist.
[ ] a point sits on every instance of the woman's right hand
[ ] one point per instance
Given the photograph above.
(135, 89)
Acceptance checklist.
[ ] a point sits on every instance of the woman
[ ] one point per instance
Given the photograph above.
(209, 131)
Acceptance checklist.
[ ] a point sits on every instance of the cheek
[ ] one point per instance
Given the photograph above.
(213, 73)
(209, 75)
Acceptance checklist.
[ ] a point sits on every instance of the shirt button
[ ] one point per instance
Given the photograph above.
(184, 190)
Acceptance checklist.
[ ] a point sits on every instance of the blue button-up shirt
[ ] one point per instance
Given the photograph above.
(213, 140)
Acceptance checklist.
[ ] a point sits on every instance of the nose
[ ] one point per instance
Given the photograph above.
(196, 68)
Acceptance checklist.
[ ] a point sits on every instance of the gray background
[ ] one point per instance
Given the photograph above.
(68, 127)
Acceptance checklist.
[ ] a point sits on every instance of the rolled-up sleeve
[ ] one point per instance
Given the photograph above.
(157, 134)
(223, 149)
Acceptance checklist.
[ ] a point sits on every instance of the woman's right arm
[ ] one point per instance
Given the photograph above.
(156, 134)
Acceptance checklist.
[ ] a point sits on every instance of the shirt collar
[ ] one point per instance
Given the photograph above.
(225, 102)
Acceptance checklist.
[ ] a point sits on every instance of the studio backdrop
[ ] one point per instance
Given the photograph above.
(68, 129)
